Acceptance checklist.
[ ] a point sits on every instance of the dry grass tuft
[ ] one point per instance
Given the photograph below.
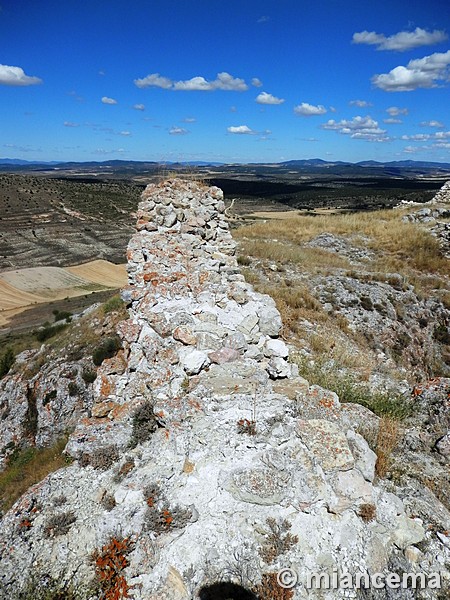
(387, 439)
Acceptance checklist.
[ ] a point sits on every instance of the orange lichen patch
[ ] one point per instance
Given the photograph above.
(326, 402)
(116, 364)
(194, 404)
(106, 386)
(120, 411)
(25, 524)
(203, 277)
(102, 409)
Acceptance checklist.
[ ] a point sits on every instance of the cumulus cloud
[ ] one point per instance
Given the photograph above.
(107, 100)
(241, 129)
(436, 124)
(265, 98)
(154, 80)
(360, 103)
(363, 128)
(16, 76)
(139, 106)
(125, 133)
(309, 110)
(178, 131)
(424, 137)
(395, 111)
(404, 40)
(223, 81)
(256, 82)
(392, 121)
(428, 72)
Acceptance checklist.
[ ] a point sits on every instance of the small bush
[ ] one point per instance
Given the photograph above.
(160, 517)
(278, 540)
(49, 397)
(367, 512)
(110, 563)
(144, 424)
(123, 471)
(63, 315)
(59, 524)
(270, 589)
(441, 334)
(244, 261)
(49, 331)
(103, 458)
(246, 426)
(113, 304)
(6, 362)
(107, 349)
(73, 389)
(108, 502)
(89, 376)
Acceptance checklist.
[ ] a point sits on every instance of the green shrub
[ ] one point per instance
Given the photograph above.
(73, 388)
(62, 315)
(89, 376)
(107, 349)
(350, 390)
(6, 361)
(144, 424)
(113, 304)
(49, 331)
(48, 397)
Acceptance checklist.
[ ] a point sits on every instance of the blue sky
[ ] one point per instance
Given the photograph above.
(229, 81)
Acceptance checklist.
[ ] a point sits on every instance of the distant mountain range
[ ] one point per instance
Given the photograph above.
(133, 164)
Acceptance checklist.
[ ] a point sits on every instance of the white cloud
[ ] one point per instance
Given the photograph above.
(125, 133)
(154, 80)
(70, 124)
(107, 100)
(263, 19)
(363, 128)
(360, 103)
(178, 131)
(223, 81)
(189, 120)
(256, 82)
(428, 72)
(392, 121)
(308, 110)
(16, 76)
(241, 129)
(437, 124)
(404, 40)
(265, 98)
(411, 149)
(139, 106)
(424, 137)
(395, 111)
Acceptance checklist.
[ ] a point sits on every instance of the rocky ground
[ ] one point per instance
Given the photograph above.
(203, 460)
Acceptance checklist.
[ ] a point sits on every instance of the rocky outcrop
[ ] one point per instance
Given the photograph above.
(194, 472)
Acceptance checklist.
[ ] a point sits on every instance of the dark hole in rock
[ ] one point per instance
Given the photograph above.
(225, 590)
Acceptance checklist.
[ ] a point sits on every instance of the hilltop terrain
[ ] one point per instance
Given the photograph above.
(216, 433)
